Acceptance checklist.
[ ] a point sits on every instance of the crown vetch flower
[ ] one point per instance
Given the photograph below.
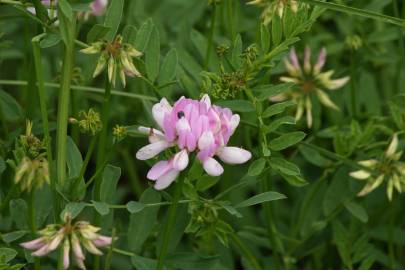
(70, 238)
(310, 80)
(191, 126)
(388, 168)
(117, 56)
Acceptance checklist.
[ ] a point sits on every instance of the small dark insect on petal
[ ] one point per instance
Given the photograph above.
(180, 114)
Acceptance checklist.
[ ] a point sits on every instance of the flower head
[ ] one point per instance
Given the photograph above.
(70, 238)
(89, 122)
(309, 80)
(117, 56)
(272, 7)
(190, 126)
(388, 168)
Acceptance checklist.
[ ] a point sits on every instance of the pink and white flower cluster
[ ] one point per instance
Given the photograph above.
(191, 126)
(71, 237)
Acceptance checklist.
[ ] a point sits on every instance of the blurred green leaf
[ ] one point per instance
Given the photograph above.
(286, 140)
(113, 18)
(97, 32)
(261, 198)
(257, 167)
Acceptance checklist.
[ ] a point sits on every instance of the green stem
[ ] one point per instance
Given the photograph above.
(85, 89)
(353, 86)
(101, 153)
(245, 251)
(211, 36)
(102, 143)
(401, 47)
(275, 243)
(356, 11)
(391, 246)
(44, 115)
(170, 223)
(132, 173)
(32, 223)
(108, 260)
(63, 106)
(85, 163)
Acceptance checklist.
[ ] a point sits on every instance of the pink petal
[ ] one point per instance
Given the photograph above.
(80, 263)
(212, 167)
(154, 134)
(234, 155)
(151, 150)
(158, 170)
(165, 180)
(321, 61)
(99, 6)
(66, 258)
(294, 59)
(102, 241)
(234, 122)
(34, 244)
(180, 160)
(307, 59)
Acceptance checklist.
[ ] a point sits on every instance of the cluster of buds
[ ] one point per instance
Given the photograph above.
(117, 56)
(222, 50)
(30, 163)
(388, 168)
(191, 126)
(119, 133)
(31, 144)
(205, 222)
(309, 80)
(354, 42)
(69, 237)
(223, 86)
(271, 7)
(88, 122)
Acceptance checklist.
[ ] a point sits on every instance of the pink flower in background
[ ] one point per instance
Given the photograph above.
(98, 7)
(191, 125)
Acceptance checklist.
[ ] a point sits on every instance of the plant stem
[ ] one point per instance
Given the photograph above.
(170, 223)
(85, 163)
(246, 251)
(275, 243)
(102, 143)
(132, 173)
(101, 153)
(211, 36)
(63, 106)
(44, 114)
(110, 252)
(353, 85)
(84, 89)
(32, 223)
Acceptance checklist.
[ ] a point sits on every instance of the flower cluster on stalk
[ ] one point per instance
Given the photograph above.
(88, 122)
(309, 79)
(71, 238)
(191, 126)
(117, 57)
(30, 163)
(388, 168)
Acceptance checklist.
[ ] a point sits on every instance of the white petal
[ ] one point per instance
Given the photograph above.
(370, 163)
(159, 111)
(206, 139)
(151, 150)
(154, 134)
(234, 155)
(180, 160)
(361, 174)
(212, 167)
(182, 125)
(206, 99)
(165, 180)
(235, 119)
(393, 146)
